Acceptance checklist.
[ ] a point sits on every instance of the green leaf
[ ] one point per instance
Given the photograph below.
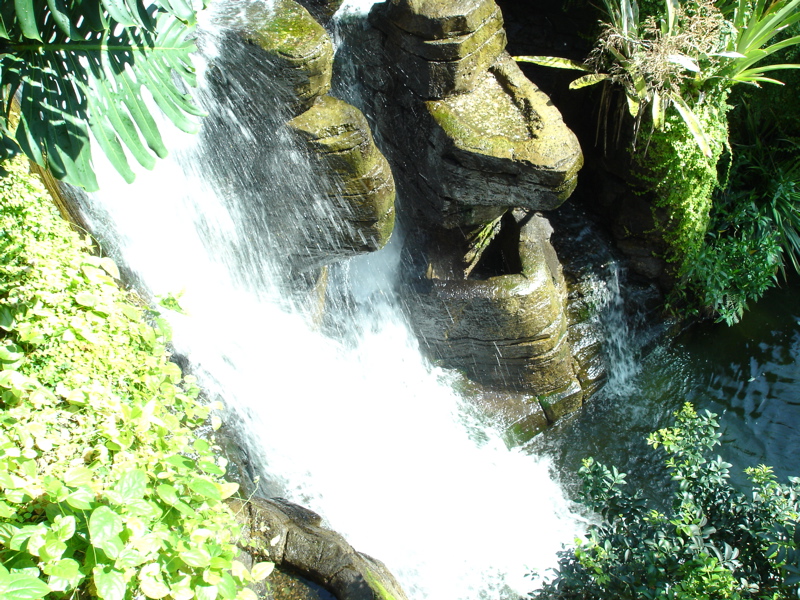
(167, 493)
(77, 476)
(132, 485)
(181, 462)
(227, 587)
(52, 549)
(64, 527)
(693, 123)
(110, 583)
(129, 558)
(66, 568)
(588, 80)
(262, 570)
(86, 299)
(206, 592)
(104, 524)
(112, 547)
(197, 557)
(153, 588)
(553, 61)
(18, 586)
(205, 488)
(26, 17)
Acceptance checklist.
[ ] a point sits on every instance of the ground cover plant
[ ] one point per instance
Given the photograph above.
(712, 541)
(106, 488)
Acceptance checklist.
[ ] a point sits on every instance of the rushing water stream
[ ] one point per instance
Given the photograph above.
(356, 425)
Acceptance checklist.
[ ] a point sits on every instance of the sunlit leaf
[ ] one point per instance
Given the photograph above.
(104, 524)
(19, 586)
(110, 583)
(693, 123)
(588, 80)
(553, 61)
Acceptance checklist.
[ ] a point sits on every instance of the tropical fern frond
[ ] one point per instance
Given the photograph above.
(87, 80)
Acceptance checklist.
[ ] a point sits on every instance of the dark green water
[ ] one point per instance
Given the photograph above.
(748, 374)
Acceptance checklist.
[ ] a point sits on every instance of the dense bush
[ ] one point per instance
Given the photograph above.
(106, 489)
(712, 543)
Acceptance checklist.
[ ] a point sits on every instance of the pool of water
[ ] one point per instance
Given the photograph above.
(748, 374)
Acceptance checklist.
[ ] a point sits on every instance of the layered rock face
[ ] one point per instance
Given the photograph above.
(355, 213)
(293, 538)
(506, 331)
(471, 140)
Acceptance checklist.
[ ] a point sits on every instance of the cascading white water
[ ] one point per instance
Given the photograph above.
(359, 427)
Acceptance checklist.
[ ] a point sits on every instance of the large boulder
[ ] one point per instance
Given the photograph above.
(485, 139)
(505, 326)
(298, 51)
(293, 537)
(322, 10)
(359, 213)
(440, 47)
(501, 144)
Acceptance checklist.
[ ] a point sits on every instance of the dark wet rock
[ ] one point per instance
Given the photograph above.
(322, 10)
(505, 331)
(293, 538)
(298, 51)
(440, 48)
(360, 188)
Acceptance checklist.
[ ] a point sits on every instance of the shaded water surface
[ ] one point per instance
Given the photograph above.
(748, 374)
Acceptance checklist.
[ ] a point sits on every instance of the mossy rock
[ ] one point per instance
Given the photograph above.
(507, 143)
(445, 49)
(439, 67)
(298, 49)
(439, 19)
(360, 186)
(506, 331)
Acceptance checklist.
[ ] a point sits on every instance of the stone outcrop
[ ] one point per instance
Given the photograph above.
(322, 10)
(298, 52)
(293, 538)
(360, 187)
(441, 48)
(506, 331)
(471, 140)
(471, 150)
(352, 209)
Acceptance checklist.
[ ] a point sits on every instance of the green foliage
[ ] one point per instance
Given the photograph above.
(80, 69)
(106, 489)
(676, 69)
(755, 221)
(713, 543)
(683, 178)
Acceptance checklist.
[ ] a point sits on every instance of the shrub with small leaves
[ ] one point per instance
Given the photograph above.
(106, 488)
(714, 542)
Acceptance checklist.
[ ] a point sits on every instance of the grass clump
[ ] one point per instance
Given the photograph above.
(106, 488)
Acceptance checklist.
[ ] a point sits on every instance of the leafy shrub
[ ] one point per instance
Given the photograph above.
(106, 489)
(712, 543)
(755, 220)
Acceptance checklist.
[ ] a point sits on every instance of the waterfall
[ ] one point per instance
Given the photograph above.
(347, 419)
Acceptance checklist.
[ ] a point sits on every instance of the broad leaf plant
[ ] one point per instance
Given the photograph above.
(73, 71)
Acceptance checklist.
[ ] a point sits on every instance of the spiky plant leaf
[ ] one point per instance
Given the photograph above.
(588, 80)
(74, 89)
(693, 123)
(553, 61)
